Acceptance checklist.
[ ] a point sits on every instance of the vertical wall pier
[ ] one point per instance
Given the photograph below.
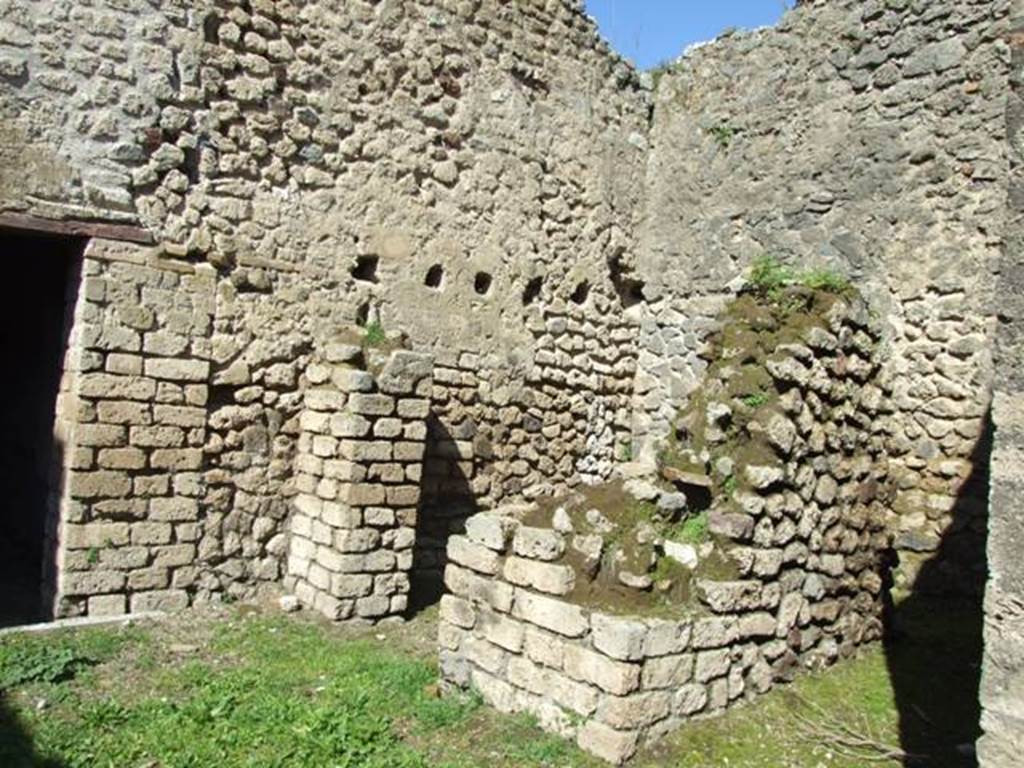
(358, 474)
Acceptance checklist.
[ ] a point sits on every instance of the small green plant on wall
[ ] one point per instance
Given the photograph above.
(694, 530)
(756, 400)
(730, 485)
(374, 335)
(825, 280)
(723, 134)
(769, 277)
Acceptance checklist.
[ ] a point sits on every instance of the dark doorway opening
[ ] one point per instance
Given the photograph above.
(33, 322)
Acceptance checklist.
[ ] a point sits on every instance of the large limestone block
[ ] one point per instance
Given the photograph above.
(635, 711)
(615, 677)
(607, 743)
(617, 637)
(549, 613)
(544, 577)
(403, 371)
(472, 586)
(490, 530)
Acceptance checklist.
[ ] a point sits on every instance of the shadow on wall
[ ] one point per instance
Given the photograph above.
(446, 501)
(16, 747)
(934, 635)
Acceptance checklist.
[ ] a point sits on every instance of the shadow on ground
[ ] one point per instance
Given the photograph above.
(16, 747)
(934, 635)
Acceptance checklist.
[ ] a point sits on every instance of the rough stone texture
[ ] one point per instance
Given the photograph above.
(867, 138)
(353, 525)
(132, 416)
(485, 176)
(466, 172)
(808, 592)
(1002, 684)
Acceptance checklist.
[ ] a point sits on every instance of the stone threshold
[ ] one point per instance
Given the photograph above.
(79, 622)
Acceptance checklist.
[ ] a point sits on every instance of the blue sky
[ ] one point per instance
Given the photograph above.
(650, 31)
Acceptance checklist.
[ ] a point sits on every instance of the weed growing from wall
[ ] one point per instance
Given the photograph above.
(769, 277)
(374, 334)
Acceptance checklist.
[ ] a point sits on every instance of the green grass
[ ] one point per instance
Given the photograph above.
(259, 691)
(56, 658)
(774, 733)
(692, 530)
(292, 699)
(266, 692)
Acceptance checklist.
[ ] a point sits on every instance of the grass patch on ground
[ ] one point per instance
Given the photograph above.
(262, 690)
(270, 692)
(773, 732)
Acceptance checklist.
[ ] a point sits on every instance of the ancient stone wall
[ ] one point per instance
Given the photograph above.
(1002, 685)
(800, 546)
(496, 436)
(482, 176)
(360, 463)
(133, 414)
(460, 171)
(862, 137)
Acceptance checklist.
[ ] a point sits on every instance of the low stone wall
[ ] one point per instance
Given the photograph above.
(494, 438)
(614, 683)
(358, 472)
(797, 513)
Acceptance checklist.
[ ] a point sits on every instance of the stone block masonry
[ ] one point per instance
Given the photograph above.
(612, 682)
(1002, 681)
(452, 213)
(492, 438)
(134, 409)
(802, 531)
(792, 140)
(358, 471)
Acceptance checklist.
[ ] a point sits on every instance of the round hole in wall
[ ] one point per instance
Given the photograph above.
(366, 269)
(579, 296)
(435, 277)
(482, 283)
(532, 291)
